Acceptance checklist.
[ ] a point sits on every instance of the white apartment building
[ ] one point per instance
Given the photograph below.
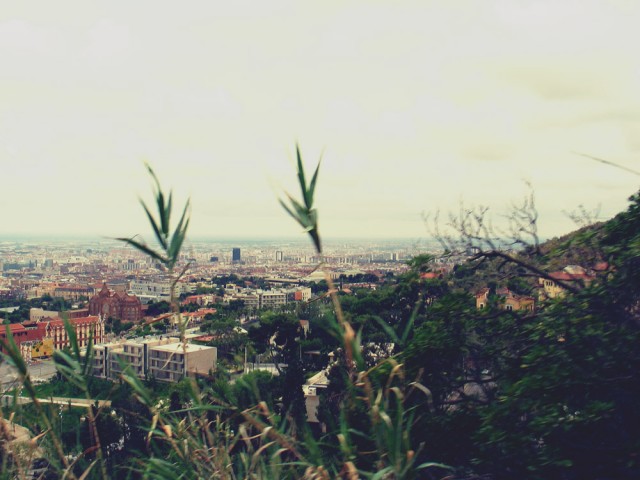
(158, 290)
(251, 300)
(270, 298)
(273, 298)
(149, 357)
(100, 355)
(135, 354)
(172, 362)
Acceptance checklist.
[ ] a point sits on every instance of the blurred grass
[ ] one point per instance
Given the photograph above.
(211, 437)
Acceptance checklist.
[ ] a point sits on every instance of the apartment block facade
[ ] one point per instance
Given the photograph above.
(172, 362)
(158, 289)
(165, 359)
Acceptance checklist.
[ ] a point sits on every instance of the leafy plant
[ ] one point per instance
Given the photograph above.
(373, 401)
(170, 243)
(75, 367)
(304, 212)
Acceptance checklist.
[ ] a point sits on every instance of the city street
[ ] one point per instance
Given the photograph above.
(40, 370)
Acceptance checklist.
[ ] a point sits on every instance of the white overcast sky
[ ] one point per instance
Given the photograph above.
(416, 105)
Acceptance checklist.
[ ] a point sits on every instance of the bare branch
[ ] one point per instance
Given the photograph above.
(583, 217)
(523, 222)
(528, 266)
(607, 162)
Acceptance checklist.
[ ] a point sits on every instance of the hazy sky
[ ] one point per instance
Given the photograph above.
(416, 106)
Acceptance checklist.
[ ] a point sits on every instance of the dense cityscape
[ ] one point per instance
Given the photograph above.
(76, 270)
(111, 292)
(266, 323)
(291, 240)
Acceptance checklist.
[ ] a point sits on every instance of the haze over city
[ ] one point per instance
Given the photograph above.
(412, 107)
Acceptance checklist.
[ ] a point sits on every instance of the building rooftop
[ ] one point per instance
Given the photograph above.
(179, 348)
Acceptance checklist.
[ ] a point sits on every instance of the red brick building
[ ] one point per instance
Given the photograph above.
(24, 335)
(116, 304)
(85, 328)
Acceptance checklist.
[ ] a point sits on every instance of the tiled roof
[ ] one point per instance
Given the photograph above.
(74, 321)
(570, 276)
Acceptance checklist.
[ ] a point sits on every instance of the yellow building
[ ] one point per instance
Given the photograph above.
(551, 289)
(42, 349)
(507, 300)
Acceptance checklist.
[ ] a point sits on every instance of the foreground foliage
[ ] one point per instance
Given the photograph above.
(422, 385)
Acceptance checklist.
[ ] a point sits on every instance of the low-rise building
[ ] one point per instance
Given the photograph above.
(51, 334)
(251, 300)
(301, 294)
(196, 318)
(202, 300)
(159, 290)
(571, 275)
(38, 314)
(311, 390)
(172, 362)
(73, 292)
(165, 359)
(85, 328)
(100, 356)
(272, 299)
(507, 300)
(134, 354)
(255, 299)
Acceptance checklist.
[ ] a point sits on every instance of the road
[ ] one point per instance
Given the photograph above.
(64, 401)
(40, 370)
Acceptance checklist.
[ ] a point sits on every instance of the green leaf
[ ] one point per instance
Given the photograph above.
(154, 225)
(167, 217)
(304, 212)
(301, 179)
(357, 351)
(178, 236)
(69, 367)
(156, 182)
(143, 248)
(9, 345)
(387, 329)
(87, 367)
(312, 185)
(129, 377)
(410, 323)
(382, 473)
(286, 207)
(162, 212)
(73, 339)
(432, 465)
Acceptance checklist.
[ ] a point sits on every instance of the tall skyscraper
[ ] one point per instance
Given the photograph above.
(235, 256)
(279, 256)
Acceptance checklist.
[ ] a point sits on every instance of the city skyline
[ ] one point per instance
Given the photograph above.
(412, 107)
